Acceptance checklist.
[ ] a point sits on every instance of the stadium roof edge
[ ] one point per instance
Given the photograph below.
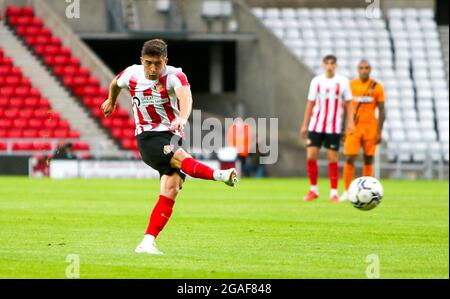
(190, 36)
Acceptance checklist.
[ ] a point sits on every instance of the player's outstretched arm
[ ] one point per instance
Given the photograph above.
(349, 117)
(306, 118)
(184, 95)
(109, 104)
(381, 117)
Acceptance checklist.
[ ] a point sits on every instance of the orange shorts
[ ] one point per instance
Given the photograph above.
(365, 135)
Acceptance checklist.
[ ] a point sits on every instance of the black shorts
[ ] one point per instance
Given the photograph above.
(158, 148)
(330, 141)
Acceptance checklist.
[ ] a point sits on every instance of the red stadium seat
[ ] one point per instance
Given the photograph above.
(42, 146)
(61, 60)
(12, 81)
(50, 123)
(64, 124)
(44, 103)
(21, 30)
(74, 134)
(5, 70)
(6, 61)
(130, 143)
(45, 32)
(2, 146)
(16, 102)
(60, 133)
(55, 41)
(11, 113)
(80, 81)
(37, 22)
(5, 123)
(27, 11)
(116, 133)
(32, 102)
(4, 102)
(80, 146)
(15, 71)
(30, 133)
(14, 133)
(3, 133)
(7, 91)
(41, 113)
(117, 122)
(23, 91)
(20, 123)
(45, 133)
(13, 11)
(65, 51)
(23, 146)
(34, 92)
(26, 113)
(32, 31)
(107, 122)
(25, 82)
(75, 62)
(35, 123)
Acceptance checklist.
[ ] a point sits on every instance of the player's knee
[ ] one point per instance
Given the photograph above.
(368, 160)
(350, 160)
(178, 158)
(172, 189)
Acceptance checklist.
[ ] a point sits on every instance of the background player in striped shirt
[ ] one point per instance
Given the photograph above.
(162, 103)
(329, 98)
(368, 96)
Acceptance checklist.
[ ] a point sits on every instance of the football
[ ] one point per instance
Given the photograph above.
(365, 193)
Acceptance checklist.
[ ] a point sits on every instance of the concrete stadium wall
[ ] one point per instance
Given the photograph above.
(93, 15)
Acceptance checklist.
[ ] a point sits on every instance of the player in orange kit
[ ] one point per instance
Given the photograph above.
(368, 95)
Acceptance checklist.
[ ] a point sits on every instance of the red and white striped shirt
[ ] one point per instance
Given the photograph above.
(155, 104)
(329, 95)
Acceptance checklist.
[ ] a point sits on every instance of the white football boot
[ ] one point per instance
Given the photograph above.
(344, 197)
(148, 246)
(228, 176)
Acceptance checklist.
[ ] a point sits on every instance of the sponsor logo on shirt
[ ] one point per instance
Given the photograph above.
(364, 99)
(149, 100)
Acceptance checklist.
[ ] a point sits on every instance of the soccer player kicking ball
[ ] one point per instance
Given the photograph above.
(162, 103)
(368, 96)
(329, 94)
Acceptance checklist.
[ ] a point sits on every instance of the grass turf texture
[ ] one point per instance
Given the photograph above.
(261, 229)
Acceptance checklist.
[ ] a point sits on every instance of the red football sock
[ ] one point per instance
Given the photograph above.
(160, 215)
(333, 170)
(312, 172)
(196, 169)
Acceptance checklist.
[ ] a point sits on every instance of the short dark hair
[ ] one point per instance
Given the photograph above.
(153, 47)
(328, 57)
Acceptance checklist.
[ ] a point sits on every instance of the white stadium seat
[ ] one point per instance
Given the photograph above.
(258, 11)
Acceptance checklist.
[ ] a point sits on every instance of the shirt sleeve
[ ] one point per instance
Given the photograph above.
(347, 92)
(177, 80)
(379, 93)
(312, 94)
(123, 78)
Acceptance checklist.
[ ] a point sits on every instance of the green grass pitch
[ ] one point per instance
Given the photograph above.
(261, 229)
